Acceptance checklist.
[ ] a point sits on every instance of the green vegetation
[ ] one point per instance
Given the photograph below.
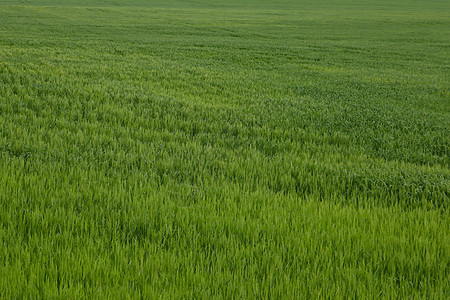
(179, 149)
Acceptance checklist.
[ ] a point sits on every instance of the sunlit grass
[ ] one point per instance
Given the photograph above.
(217, 149)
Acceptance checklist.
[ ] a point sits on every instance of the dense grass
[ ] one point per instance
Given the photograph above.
(279, 149)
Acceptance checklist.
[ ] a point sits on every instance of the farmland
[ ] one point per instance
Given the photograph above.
(218, 149)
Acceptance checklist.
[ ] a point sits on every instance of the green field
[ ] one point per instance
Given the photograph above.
(218, 149)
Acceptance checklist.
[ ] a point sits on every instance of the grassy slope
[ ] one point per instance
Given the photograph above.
(207, 148)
